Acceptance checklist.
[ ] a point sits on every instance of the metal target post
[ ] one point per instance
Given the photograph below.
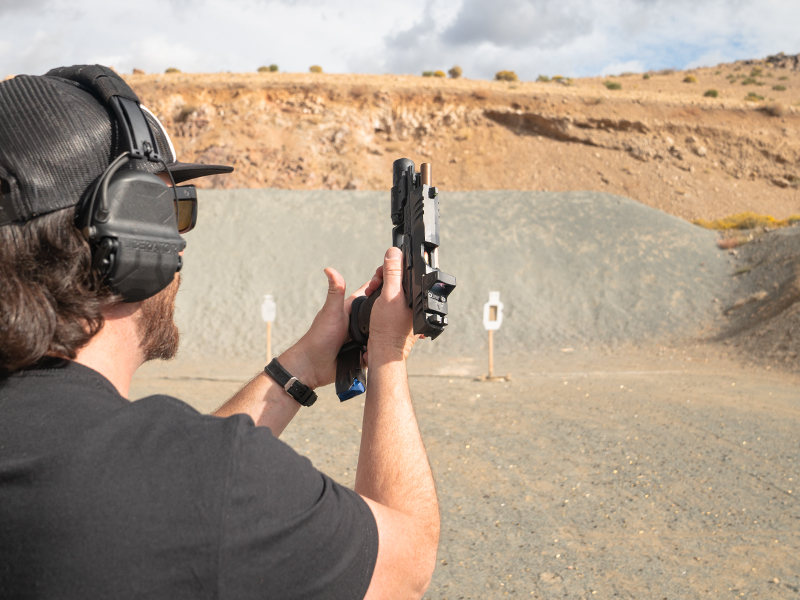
(268, 310)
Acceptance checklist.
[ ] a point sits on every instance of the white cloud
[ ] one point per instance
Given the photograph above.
(567, 37)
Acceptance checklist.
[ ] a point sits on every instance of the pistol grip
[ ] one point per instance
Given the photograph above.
(360, 312)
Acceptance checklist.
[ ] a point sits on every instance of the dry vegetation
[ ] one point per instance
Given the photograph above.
(656, 139)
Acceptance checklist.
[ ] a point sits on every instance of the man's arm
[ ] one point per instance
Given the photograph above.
(394, 476)
(312, 360)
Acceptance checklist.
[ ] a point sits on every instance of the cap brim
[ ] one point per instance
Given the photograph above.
(185, 171)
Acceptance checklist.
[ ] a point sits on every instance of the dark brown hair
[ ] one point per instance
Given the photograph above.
(51, 301)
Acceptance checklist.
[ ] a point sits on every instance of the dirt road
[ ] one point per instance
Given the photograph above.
(655, 473)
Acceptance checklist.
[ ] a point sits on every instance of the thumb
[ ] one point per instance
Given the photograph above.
(393, 272)
(334, 301)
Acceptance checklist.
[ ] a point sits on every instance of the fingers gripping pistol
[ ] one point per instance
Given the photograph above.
(415, 216)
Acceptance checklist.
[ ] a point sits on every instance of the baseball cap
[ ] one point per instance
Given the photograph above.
(57, 139)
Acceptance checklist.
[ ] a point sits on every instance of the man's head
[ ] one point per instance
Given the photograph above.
(68, 141)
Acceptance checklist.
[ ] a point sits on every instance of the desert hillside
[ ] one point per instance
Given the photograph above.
(658, 138)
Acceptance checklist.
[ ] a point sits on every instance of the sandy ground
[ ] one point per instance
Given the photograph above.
(654, 473)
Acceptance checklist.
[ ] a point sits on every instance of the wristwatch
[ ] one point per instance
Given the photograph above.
(302, 393)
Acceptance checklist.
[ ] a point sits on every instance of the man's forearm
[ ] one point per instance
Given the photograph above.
(266, 402)
(393, 467)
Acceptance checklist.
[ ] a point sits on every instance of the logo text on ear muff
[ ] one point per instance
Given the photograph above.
(158, 247)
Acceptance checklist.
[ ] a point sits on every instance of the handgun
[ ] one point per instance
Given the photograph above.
(415, 220)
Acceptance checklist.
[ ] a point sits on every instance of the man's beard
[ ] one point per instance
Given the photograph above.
(158, 334)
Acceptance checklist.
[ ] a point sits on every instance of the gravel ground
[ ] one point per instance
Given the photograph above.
(648, 473)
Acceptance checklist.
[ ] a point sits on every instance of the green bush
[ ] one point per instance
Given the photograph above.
(612, 85)
(273, 68)
(783, 78)
(506, 76)
(315, 69)
(558, 78)
(751, 81)
(690, 79)
(269, 69)
(756, 72)
(753, 97)
(646, 76)
(779, 88)
(455, 72)
(428, 73)
(439, 74)
(543, 78)
(711, 93)
(172, 70)
(717, 72)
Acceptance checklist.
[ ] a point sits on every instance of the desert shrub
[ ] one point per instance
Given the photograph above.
(506, 76)
(746, 220)
(756, 72)
(646, 76)
(439, 74)
(711, 93)
(563, 80)
(717, 72)
(187, 110)
(455, 72)
(753, 97)
(783, 78)
(428, 73)
(315, 69)
(612, 85)
(690, 79)
(273, 68)
(543, 78)
(779, 88)
(558, 78)
(751, 81)
(263, 69)
(172, 70)
(775, 109)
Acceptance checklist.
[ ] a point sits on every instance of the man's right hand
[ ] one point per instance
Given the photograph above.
(391, 334)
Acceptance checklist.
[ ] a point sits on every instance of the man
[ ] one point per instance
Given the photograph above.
(104, 498)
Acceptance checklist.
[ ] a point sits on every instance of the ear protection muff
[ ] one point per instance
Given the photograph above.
(129, 217)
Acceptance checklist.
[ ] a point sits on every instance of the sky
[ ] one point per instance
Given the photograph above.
(573, 38)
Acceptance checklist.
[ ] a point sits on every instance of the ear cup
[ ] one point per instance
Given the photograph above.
(134, 235)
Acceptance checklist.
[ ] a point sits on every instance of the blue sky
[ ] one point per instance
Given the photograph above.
(565, 37)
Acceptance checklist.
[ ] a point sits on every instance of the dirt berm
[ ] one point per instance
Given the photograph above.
(572, 268)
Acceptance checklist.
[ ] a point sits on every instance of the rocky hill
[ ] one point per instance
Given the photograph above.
(658, 138)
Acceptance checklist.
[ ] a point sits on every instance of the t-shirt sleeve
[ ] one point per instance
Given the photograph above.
(288, 530)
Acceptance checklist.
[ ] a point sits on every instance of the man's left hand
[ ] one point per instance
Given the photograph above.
(313, 358)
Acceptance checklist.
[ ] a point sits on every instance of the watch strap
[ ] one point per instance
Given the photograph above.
(302, 393)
